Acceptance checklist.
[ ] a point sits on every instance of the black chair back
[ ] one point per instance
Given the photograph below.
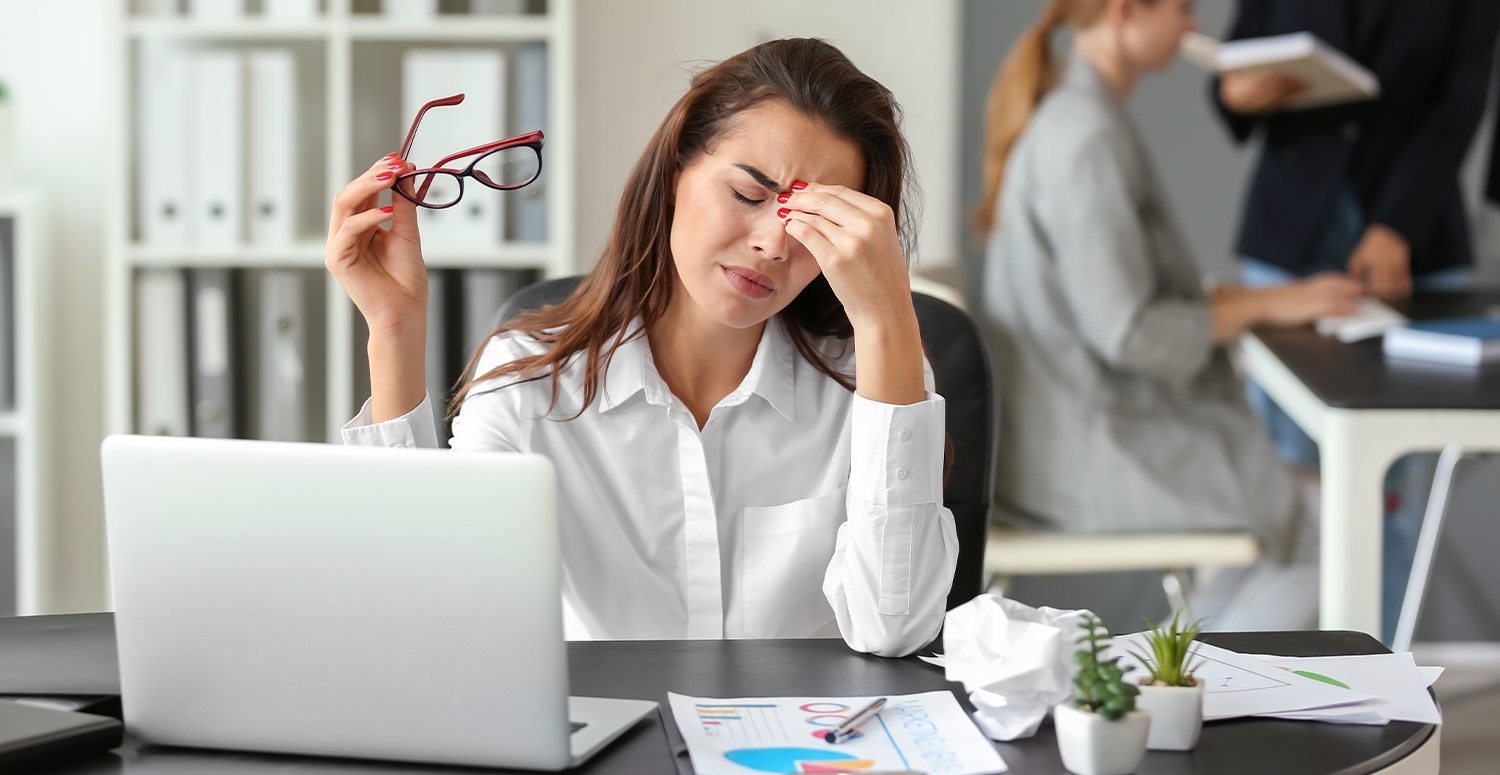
(960, 365)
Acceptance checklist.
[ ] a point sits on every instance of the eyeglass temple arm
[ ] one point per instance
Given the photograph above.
(412, 132)
(526, 139)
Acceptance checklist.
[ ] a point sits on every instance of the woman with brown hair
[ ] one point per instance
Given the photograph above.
(726, 469)
(1119, 408)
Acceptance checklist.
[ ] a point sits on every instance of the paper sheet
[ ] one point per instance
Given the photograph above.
(1237, 685)
(1398, 685)
(926, 732)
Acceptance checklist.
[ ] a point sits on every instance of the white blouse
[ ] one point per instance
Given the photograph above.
(800, 509)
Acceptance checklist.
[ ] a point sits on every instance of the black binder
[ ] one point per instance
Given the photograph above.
(32, 736)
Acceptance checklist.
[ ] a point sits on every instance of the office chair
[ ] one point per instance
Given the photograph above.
(961, 367)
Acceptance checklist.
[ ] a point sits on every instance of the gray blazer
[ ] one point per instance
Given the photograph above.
(1118, 412)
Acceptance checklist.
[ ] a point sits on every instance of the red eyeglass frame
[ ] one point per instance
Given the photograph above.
(533, 140)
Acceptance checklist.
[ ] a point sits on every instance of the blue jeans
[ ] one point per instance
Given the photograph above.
(1409, 480)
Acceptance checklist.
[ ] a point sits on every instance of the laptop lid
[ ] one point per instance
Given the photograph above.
(345, 601)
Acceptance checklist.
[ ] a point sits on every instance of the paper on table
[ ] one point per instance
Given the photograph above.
(1372, 319)
(1398, 685)
(1236, 685)
(925, 732)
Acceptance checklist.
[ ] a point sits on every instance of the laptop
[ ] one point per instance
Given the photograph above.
(375, 603)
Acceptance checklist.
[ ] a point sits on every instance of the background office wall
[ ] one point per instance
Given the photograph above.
(52, 55)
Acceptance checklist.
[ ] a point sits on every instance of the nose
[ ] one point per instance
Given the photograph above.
(769, 238)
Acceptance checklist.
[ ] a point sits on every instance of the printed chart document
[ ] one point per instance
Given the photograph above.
(926, 732)
(1399, 686)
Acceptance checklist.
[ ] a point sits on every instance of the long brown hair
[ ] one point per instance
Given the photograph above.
(1028, 73)
(634, 276)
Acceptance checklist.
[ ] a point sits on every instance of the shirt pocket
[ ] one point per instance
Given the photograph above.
(787, 551)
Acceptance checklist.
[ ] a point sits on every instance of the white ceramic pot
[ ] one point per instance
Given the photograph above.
(1093, 745)
(1176, 715)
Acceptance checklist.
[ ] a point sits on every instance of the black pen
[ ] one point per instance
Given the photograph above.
(847, 729)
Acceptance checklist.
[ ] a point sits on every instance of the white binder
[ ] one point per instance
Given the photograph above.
(161, 343)
(440, 372)
(216, 10)
(214, 377)
(477, 221)
(217, 161)
(164, 144)
(528, 206)
(271, 76)
(282, 357)
(410, 9)
(291, 10)
(484, 291)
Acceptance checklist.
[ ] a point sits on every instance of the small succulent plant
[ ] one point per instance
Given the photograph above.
(1171, 651)
(1100, 686)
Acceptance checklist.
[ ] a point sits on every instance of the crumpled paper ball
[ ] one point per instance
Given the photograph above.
(1015, 661)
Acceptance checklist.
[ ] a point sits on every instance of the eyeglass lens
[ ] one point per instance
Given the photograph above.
(508, 167)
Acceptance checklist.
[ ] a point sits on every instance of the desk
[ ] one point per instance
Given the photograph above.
(648, 669)
(1365, 412)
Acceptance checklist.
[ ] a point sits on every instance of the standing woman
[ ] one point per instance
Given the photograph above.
(1120, 410)
(725, 467)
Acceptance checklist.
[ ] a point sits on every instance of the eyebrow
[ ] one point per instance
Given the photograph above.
(760, 177)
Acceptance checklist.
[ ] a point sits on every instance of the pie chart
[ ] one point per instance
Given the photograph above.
(802, 760)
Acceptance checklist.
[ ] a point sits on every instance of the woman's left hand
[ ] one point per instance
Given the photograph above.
(853, 238)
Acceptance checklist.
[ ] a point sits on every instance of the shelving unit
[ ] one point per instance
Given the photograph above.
(24, 449)
(347, 32)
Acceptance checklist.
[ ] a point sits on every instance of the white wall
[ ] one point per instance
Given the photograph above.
(53, 55)
(635, 60)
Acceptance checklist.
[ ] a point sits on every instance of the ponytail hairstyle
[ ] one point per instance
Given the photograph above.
(634, 276)
(1028, 74)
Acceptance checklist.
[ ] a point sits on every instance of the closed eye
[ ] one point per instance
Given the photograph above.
(745, 199)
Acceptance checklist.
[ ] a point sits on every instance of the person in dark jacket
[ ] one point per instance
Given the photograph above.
(1368, 188)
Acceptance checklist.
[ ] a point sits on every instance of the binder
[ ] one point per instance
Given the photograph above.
(217, 147)
(291, 10)
(497, 7)
(35, 737)
(161, 378)
(441, 373)
(214, 375)
(410, 10)
(528, 206)
(216, 10)
(165, 79)
(7, 315)
(477, 221)
(484, 291)
(271, 76)
(154, 7)
(282, 356)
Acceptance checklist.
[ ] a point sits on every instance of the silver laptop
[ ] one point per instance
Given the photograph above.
(343, 601)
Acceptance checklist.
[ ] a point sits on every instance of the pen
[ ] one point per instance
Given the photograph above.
(845, 730)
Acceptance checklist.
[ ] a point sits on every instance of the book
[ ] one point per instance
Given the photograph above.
(1465, 341)
(1331, 76)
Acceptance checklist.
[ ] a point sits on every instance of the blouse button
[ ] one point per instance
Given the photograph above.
(902, 473)
(904, 435)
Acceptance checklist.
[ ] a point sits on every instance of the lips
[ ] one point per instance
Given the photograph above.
(749, 282)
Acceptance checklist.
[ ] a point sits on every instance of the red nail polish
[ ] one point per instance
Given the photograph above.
(783, 197)
(798, 186)
(386, 209)
(783, 212)
(389, 156)
(788, 222)
(383, 176)
(395, 166)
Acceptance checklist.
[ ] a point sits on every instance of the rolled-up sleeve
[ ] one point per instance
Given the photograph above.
(1103, 245)
(417, 428)
(893, 563)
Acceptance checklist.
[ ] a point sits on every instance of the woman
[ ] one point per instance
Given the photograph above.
(1120, 410)
(725, 467)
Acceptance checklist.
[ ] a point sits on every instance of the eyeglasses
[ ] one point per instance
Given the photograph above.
(504, 165)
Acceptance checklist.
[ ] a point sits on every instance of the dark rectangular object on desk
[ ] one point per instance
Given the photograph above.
(1359, 376)
(36, 737)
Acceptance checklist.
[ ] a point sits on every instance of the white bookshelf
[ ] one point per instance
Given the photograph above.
(22, 423)
(346, 32)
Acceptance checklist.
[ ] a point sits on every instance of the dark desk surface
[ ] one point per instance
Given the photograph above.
(1358, 376)
(648, 669)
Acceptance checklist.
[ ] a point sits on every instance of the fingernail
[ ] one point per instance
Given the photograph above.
(383, 176)
(798, 186)
(788, 222)
(783, 197)
(783, 212)
(389, 156)
(393, 166)
(386, 209)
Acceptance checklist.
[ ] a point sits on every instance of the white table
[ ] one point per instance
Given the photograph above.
(1365, 413)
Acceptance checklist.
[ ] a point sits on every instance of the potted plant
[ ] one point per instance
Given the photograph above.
(1100, 731)
(1170, 692)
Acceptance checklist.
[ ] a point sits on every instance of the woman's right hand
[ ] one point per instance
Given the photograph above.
(1324, 295)
(1250, 95)
(381, 270)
